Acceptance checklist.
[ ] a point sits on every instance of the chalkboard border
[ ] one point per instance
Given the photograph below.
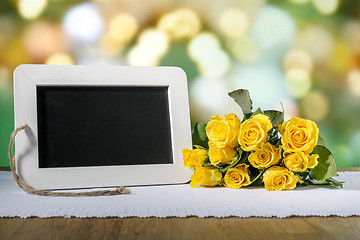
(28, 76)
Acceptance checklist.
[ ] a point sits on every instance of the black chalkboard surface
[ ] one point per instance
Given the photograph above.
(81, 126)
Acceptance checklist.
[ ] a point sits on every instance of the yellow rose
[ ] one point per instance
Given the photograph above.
(253, 132)
(237, 177)
(208, 176)
(296, 162)
(299, 135)
(299, 161)
(313, 161)
(279, 178)
(265, 157)
(222, 131)
(220, 155)
(194, 158)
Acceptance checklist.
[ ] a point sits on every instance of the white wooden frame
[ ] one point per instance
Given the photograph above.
(27, 77)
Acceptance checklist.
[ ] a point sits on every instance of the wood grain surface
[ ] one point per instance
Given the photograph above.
(330, 228)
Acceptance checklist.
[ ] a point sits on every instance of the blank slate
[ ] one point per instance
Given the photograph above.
(106, 125)
(99, 126)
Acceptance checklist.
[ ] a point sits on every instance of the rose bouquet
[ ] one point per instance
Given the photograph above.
(260, 149)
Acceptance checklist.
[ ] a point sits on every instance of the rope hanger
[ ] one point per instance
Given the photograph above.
(29, 189)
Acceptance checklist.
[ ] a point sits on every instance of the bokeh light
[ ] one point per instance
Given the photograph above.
(233, 23)
(84, 23)
(316, 41)
(298, 82)
(109, 47)
(315, 106)
(297, 58)
(205, 50)
(155, 40)
(300, 55)
(60, 59)
(244, 48)
(199, 45)
(41, 39)
(215, 63)
(151, 46)
(272, 27)
(141, 55)
(180, 24)
(123, 27)
(326, 6)
(31, 9)
(353, 80)
(341, 60)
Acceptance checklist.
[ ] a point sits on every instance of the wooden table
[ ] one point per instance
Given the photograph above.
(183, 228)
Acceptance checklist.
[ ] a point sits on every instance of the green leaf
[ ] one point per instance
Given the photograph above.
(329, 181)
(242, 98)
(250, 115)
(207, 162)
(198, 147)
(261, 172)
(303, 175)
(321, 141)
(247, 116)
(274, 137)
(275, 116)
(317, 182)
(199, 135)
(306, 182)
(257, 112)
(334, 182)
(237, 156)
(326, 167)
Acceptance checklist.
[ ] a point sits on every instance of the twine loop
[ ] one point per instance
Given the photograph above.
(29, 189)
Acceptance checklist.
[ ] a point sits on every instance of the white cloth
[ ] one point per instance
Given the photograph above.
(183, 201)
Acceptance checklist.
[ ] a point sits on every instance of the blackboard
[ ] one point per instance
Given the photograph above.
(103, 126)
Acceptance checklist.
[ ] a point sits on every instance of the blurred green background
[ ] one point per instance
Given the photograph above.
(302, 53)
